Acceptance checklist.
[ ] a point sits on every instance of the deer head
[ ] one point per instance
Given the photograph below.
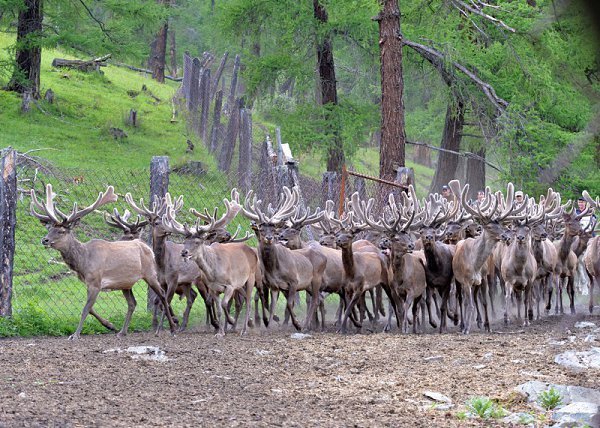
(60, 225)
(131, 231)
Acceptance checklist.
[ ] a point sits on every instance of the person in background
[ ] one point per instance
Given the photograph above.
(480, 196)
(586, 219)
(519, 197)
(446, 192)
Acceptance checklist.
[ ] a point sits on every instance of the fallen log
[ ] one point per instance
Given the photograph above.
(89, 65)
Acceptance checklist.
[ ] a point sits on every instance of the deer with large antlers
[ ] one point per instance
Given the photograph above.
(407, 278)
(566, 261)
(591, 256)
(131, 230)
(472, 253)
(101, 265)
(283, 269)
(224, 268)
(519, 266)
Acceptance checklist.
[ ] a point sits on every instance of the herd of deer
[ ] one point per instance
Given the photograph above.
(464, 253)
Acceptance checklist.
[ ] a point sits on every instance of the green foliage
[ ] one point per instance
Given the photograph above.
(550, 399)
(484, 408)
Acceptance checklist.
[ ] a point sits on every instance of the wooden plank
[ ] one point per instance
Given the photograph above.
(8, 221)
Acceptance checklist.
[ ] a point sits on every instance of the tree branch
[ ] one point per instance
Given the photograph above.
(437, 58)
(460, 5)
(100, 23)
(468, 155)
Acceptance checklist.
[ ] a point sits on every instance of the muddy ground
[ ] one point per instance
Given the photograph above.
(270, 379)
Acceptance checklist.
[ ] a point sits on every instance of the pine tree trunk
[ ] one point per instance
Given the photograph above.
(158, 50)
(393, 137)
(448, 162)
(328, 89)
(476, 174)
(26, 76)
(173, 53)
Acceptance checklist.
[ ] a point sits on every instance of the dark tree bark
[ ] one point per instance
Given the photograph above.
(476, 173)
(328, 88)
(173, 52)
(8, 219)
(451, 137)
(159, 186)
(26, 76)
(393, 137)
(158, 51)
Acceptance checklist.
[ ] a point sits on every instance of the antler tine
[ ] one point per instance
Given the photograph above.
(363, 211)
(103, 198)
(143, 210)
(291, 199)
(593, 203)
(172, 225)
(47, 208)
(456, 189)
(115, 220)
(251, 210)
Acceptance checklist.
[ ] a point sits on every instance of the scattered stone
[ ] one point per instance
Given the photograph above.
(590, 338)
(300, 336)
(276, 391)
(579, 360)
(433, 358)
(262, 352)
(532, 374)
(446, 406)
(572, 339)
(569, 394)
(557, 342)
(580, 412)
(517, 361)
(150, 353)
(519, 418)
(488, 356)
(436, 396)
(22, 395)
(479, 366)
(585, 324)
(117, 133)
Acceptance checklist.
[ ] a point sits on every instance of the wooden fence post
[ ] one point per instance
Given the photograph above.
(230, 139)
(187, 75)
(204, 104)
(215, 131)
(8, 220)
(215, 86)
(232, 90)
(245, 160)
(159, 186)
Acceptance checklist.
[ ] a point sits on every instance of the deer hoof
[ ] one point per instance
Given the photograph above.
(122, 334)
(220, 335)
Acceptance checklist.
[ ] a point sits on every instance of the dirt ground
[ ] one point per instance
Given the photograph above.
(269, 378)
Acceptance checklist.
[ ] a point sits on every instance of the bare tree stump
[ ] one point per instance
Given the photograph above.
(230, 139)
(216, 126)
(245, 161)
(132, 118)
(49, 96)
(8, 221)
(26, 102)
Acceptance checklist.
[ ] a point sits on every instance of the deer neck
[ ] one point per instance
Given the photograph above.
(482, 248)
(207, 260)
(520, 253)
(74, 254)
(159, 246)
(537, 250)
(295, 243)
(348, 260)
(398, 263)
(268, 255)
(564, 245)
(432, 256)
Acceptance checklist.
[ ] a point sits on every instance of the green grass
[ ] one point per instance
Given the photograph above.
(550, 399)
(482, 407)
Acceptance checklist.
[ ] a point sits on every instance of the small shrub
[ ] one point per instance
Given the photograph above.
(550, 399)
(485, 408)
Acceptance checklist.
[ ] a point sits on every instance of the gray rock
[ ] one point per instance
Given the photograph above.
(580, 412)
(579, 360)
(590, 338)
(519, 418)
(300, 336)
(569, 394)
(433, 358)
(436, 396)
(585, 324)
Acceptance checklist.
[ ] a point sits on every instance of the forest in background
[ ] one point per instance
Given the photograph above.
(514, 82)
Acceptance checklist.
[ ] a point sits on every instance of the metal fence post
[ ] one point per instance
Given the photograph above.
(159, 186)
(8, 220)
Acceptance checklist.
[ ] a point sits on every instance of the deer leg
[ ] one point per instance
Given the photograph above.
(592, 281)
(291, 298)
(571, 293)
(444, 310)
(349, 308)
(527, 304)
(102, 321)
(274, 297)
(491, 288)
(484, 302)
(92, 295)
(429, 296)
(375, 318)
(311, 310)
(415, 308)
(392, 306)
(227, 295)
(249, 289)
(549, 289)
(379, 297)
(407, 302)
(190, 297)
(130, 308)
(154, 285)
(559, 287)
(469, 302)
